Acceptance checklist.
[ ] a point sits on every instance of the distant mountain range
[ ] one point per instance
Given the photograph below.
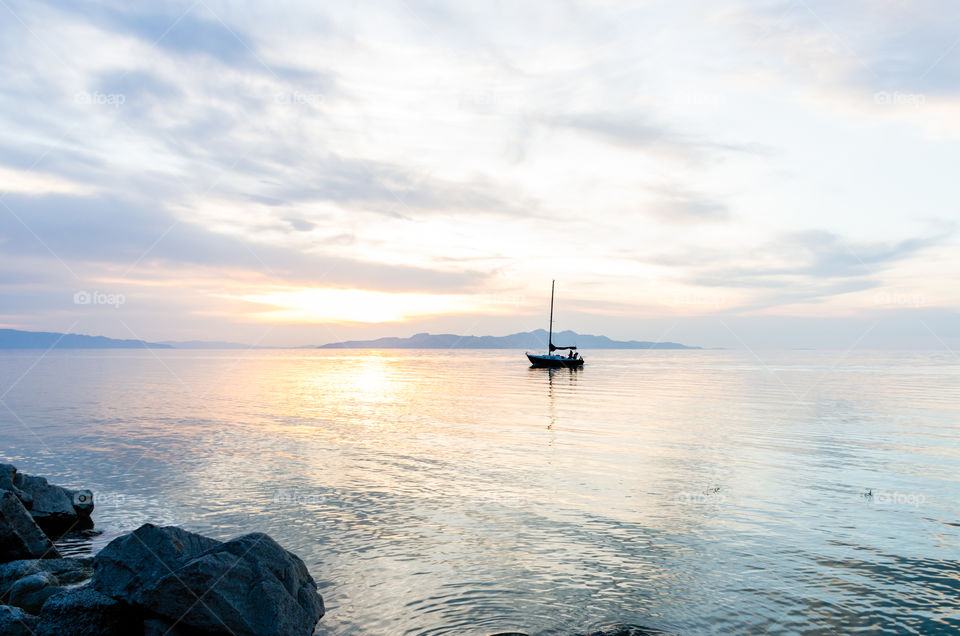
(531, 340)
(209, 344)
(526, 340)
(16, 339)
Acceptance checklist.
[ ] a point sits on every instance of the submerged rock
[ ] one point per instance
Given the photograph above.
(83, 611)
(15, 622)
(20, 536)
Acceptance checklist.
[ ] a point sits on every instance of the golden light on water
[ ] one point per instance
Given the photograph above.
(371, 380)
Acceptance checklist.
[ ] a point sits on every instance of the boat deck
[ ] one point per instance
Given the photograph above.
(555, 361)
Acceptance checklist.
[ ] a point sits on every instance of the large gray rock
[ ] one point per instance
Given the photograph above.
(7, 474)
(15, 622)
(67, 571)
(83, 611)
(57, 505)
(134, 561)
(249, 586)
(31, 592)
(52, 505)
(20, 536)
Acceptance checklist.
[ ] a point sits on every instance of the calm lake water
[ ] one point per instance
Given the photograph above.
(462, 492)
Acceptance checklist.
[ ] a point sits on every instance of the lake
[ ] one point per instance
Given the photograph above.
(462, 492)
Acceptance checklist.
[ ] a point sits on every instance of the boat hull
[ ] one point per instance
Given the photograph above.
(554, 362)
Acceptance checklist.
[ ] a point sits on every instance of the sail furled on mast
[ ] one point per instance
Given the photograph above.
(553, 347)
(553, 284)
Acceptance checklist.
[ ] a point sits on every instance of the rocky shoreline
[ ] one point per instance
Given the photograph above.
(153, 581)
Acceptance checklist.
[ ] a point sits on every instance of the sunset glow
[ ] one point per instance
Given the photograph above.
(714, 171)
(355, 305)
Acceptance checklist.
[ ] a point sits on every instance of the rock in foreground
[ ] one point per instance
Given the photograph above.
(15, 622)
(8, 474)
(54, 508)
(31, 592)
(249, 586)
(83, 611)
(131, 564)
(155, 580)
(67, 572)
(20, 536)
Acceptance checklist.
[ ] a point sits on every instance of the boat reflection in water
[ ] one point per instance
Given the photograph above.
(550, 359)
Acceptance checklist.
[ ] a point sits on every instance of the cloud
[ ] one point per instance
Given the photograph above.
(138, 86)
(189, 30)
(640, 131)
(300, 225)
(674, 204)
(125, 236)
(386, 188)
(867, 46)
(809, 266)
(829, 255)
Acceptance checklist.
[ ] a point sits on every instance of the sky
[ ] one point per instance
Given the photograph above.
(752, 174)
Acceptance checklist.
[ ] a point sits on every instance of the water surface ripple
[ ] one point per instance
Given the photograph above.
(456, 492)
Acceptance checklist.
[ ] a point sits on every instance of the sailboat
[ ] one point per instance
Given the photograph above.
(550, 359)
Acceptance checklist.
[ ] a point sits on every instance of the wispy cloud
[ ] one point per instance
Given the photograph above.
(675, 204)
(111, 234)
(634, 130)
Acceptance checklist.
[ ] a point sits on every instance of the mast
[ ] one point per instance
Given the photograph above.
(550, 337)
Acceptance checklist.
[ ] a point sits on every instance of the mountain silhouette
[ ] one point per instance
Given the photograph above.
(16, 339)
(525, 340)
